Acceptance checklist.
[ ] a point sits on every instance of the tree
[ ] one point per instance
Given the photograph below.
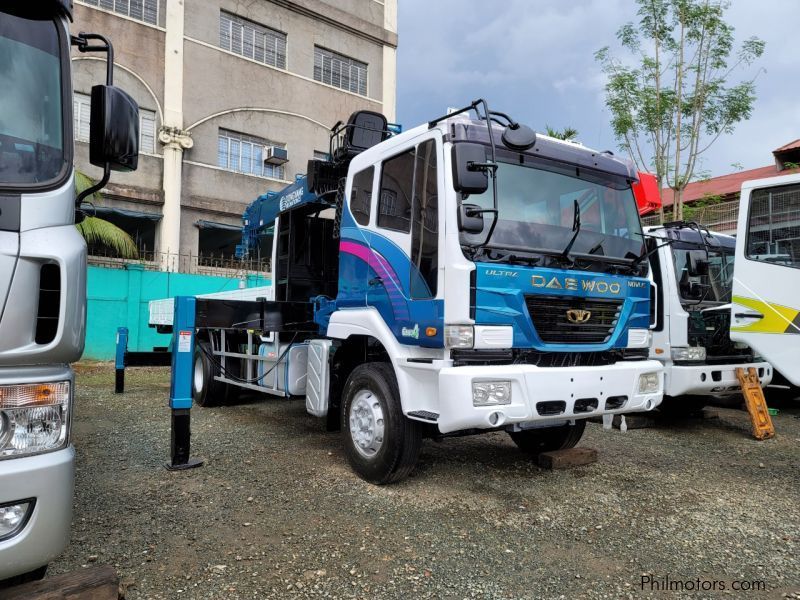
(568, 133)
(677, 101)
(99, 231)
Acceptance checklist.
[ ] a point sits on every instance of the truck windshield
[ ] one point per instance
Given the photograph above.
(536, 212)
(31, 103)
(695, 284)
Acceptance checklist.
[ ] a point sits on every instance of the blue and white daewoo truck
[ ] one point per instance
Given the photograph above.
(465, 276)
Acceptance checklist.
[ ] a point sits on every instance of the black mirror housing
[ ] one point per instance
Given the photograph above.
(114, 129)
(470, 218)
(465, 179)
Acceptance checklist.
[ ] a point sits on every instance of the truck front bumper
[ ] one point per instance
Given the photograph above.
(710, 380)
(543, 395)
(47, 480)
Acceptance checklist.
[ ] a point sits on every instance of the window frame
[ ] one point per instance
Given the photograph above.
(278, 172)
(351, 63)
(113, 9)
(267, 34)
(434, 291)
(748, 232)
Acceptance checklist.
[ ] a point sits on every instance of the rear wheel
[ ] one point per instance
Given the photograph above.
(381, 443)
(207, 391)
(536, 441)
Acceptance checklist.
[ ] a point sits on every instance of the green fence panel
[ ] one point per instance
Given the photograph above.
(120, 297)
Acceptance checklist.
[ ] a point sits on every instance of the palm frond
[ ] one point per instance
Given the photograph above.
(83, 182)
(102, 232)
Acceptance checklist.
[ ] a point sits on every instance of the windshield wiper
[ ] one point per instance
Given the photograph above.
(576, 227)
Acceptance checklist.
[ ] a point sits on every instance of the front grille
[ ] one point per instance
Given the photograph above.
(549, 316)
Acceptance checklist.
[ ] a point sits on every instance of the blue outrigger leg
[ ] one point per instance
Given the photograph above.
(119, 360)
(180, 388)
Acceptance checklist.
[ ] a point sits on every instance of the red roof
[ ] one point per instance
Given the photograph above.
(724, 185)
(790, 146)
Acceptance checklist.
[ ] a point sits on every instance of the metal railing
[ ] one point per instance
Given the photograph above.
(195, 264)
(720, 217)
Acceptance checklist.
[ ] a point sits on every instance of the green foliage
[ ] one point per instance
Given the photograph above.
(675, 100)
(690, 211)
(787, 164)
(100, 232)
(568, 133)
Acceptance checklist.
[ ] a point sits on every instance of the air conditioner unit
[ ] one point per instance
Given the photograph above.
(273, 155)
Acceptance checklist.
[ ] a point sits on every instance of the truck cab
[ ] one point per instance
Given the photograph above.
(693, 273)
(765, 311)
(456, 278)
(43, 273)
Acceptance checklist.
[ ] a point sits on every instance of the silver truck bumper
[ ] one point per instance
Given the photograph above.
(537, 393)
(710, 380)
(48, 480)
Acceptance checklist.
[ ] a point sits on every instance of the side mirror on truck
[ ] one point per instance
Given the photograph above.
(114, 129)
(696, 265)
(469, 172)
(470, 218)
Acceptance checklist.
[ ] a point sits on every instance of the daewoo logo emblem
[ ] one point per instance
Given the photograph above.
(577, 315)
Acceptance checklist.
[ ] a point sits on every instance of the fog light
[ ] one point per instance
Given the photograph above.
(459, 336)
(696, 353)
(491, 393)
(649, 383)
(13, 518)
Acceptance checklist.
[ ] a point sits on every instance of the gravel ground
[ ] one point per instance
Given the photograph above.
(276, 512)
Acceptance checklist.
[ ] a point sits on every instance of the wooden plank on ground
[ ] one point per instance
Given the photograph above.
(571, 457)
(93, 583)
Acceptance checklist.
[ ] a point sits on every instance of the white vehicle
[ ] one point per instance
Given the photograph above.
(766, 286)
(43, 270)
(693, 272)
(413, 298)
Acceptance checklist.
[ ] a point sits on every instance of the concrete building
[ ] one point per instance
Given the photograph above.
(228, 89)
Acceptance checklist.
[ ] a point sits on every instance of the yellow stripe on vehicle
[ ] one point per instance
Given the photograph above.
(777, 318)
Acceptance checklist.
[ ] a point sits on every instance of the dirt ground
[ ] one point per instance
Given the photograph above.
(276, 512)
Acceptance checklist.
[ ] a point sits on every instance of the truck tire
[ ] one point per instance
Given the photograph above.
(206, 391)
(381, 443)
(536, 441)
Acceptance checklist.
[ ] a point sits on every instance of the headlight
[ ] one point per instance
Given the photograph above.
(13, 518)
(34, 418)
(649, 383)
(491, 393)
(689, 353)
(459, 336)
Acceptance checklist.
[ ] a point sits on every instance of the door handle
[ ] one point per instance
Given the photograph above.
(748, 316)
(376, 281)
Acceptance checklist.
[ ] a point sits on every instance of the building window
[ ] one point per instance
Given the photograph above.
(340, 71)
(81, 113)
(245, 154)
(147, 131)
(252, 40)
(320, 155)
(81, 109)
(141, 10)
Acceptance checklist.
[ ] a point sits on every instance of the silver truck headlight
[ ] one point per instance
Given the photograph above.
(697, 353)
(491, 393)
(34, 418)
(459, 336)
(649, 383)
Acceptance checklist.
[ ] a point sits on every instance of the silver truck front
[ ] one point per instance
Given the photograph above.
(42, 286)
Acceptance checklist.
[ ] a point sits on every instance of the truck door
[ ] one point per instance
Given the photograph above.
(766, 286)
(404, 282)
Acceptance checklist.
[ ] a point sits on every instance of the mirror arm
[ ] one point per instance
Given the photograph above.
(473, 166)
(95, 188)
(82, 42)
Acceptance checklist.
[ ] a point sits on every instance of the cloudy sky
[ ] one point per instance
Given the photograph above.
(535, 60)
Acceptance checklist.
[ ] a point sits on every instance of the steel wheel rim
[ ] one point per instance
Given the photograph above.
(198, 377)
(366, 423)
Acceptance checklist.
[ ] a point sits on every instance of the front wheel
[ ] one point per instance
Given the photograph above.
(381, 443)
(536, 441)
